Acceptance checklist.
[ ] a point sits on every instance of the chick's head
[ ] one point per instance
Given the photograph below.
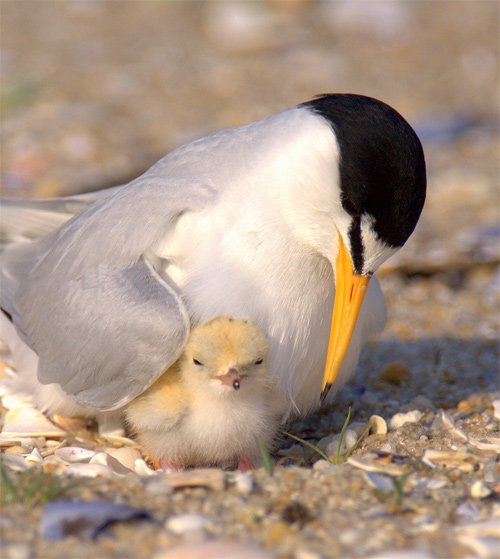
(227, 353)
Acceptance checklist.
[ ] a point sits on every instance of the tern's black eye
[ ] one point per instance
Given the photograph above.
(259, 362)
(196, 362)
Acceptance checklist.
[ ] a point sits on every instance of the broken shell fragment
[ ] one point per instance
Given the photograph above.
(142, 469)
(377, 425)
(29, 422)
(479, 490)
(448, 459)
(400, 419)
(373, 463)
(486, 443)
(73, 454)
(379, 481)
(113, 464)
(450, 426)
(88, 470)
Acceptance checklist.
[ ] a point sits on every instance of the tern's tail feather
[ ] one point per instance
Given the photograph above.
(27, 220)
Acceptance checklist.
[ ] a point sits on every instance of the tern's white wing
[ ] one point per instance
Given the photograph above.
(117, 323)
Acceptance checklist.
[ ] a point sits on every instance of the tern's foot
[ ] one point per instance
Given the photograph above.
(246, 464)
(168, 464)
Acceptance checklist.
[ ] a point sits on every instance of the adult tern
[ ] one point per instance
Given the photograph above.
(281, 222)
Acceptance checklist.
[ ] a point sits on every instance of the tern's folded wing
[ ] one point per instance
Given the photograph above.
(103, 322)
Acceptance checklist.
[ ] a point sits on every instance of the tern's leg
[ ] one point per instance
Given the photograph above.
(246, 464)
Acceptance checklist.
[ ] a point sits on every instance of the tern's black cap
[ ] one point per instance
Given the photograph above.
(382, 164)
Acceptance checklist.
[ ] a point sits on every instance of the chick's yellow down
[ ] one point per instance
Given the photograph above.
(214, 405)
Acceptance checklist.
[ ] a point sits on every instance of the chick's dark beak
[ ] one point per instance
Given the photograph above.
(232, 378)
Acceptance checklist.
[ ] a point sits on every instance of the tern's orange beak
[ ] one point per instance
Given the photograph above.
(350, 289)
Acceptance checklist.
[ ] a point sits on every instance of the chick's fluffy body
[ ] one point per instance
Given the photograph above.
(193, 415)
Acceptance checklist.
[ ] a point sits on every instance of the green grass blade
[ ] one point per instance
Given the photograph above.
(267, 462)
(342, 435)
(310, 445)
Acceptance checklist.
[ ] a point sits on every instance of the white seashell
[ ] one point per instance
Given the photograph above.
(377, 425)
(379, 481)
(106, 460)
(142, 469)
(125, 455)
(433, 484)
(496, 409)
(88, 470)
(486, 443)
(350, 438)
(34, 456)
(182, 523)
(371, 463)
(29, 422)
(479, 490)
(73, 454)
(450, 426)
(219, 549)
(400, 419)
(462, 461)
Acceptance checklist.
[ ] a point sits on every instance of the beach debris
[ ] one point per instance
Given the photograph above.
(480, 490)
(400, 419)
(486, 443)
(211, 478)
(395, 373)
(381, 463)
(450, 426)
(29, 422)
(86, 519)
(182, 523)
(449, 460)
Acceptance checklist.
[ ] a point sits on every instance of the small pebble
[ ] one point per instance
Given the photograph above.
(400, 419)
(479, 490)
(183, 523)
(323, 465)
(243, 482)
(496, 409)
(463, 406)
(395, 373)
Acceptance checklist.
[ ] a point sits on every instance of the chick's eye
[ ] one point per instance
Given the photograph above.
(259, 362)
(196, 362)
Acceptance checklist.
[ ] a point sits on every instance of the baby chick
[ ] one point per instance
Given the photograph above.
(214, 405)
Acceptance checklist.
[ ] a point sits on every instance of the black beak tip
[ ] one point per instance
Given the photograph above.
(324, 392)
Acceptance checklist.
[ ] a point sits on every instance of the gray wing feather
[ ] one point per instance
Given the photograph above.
(104, 324)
